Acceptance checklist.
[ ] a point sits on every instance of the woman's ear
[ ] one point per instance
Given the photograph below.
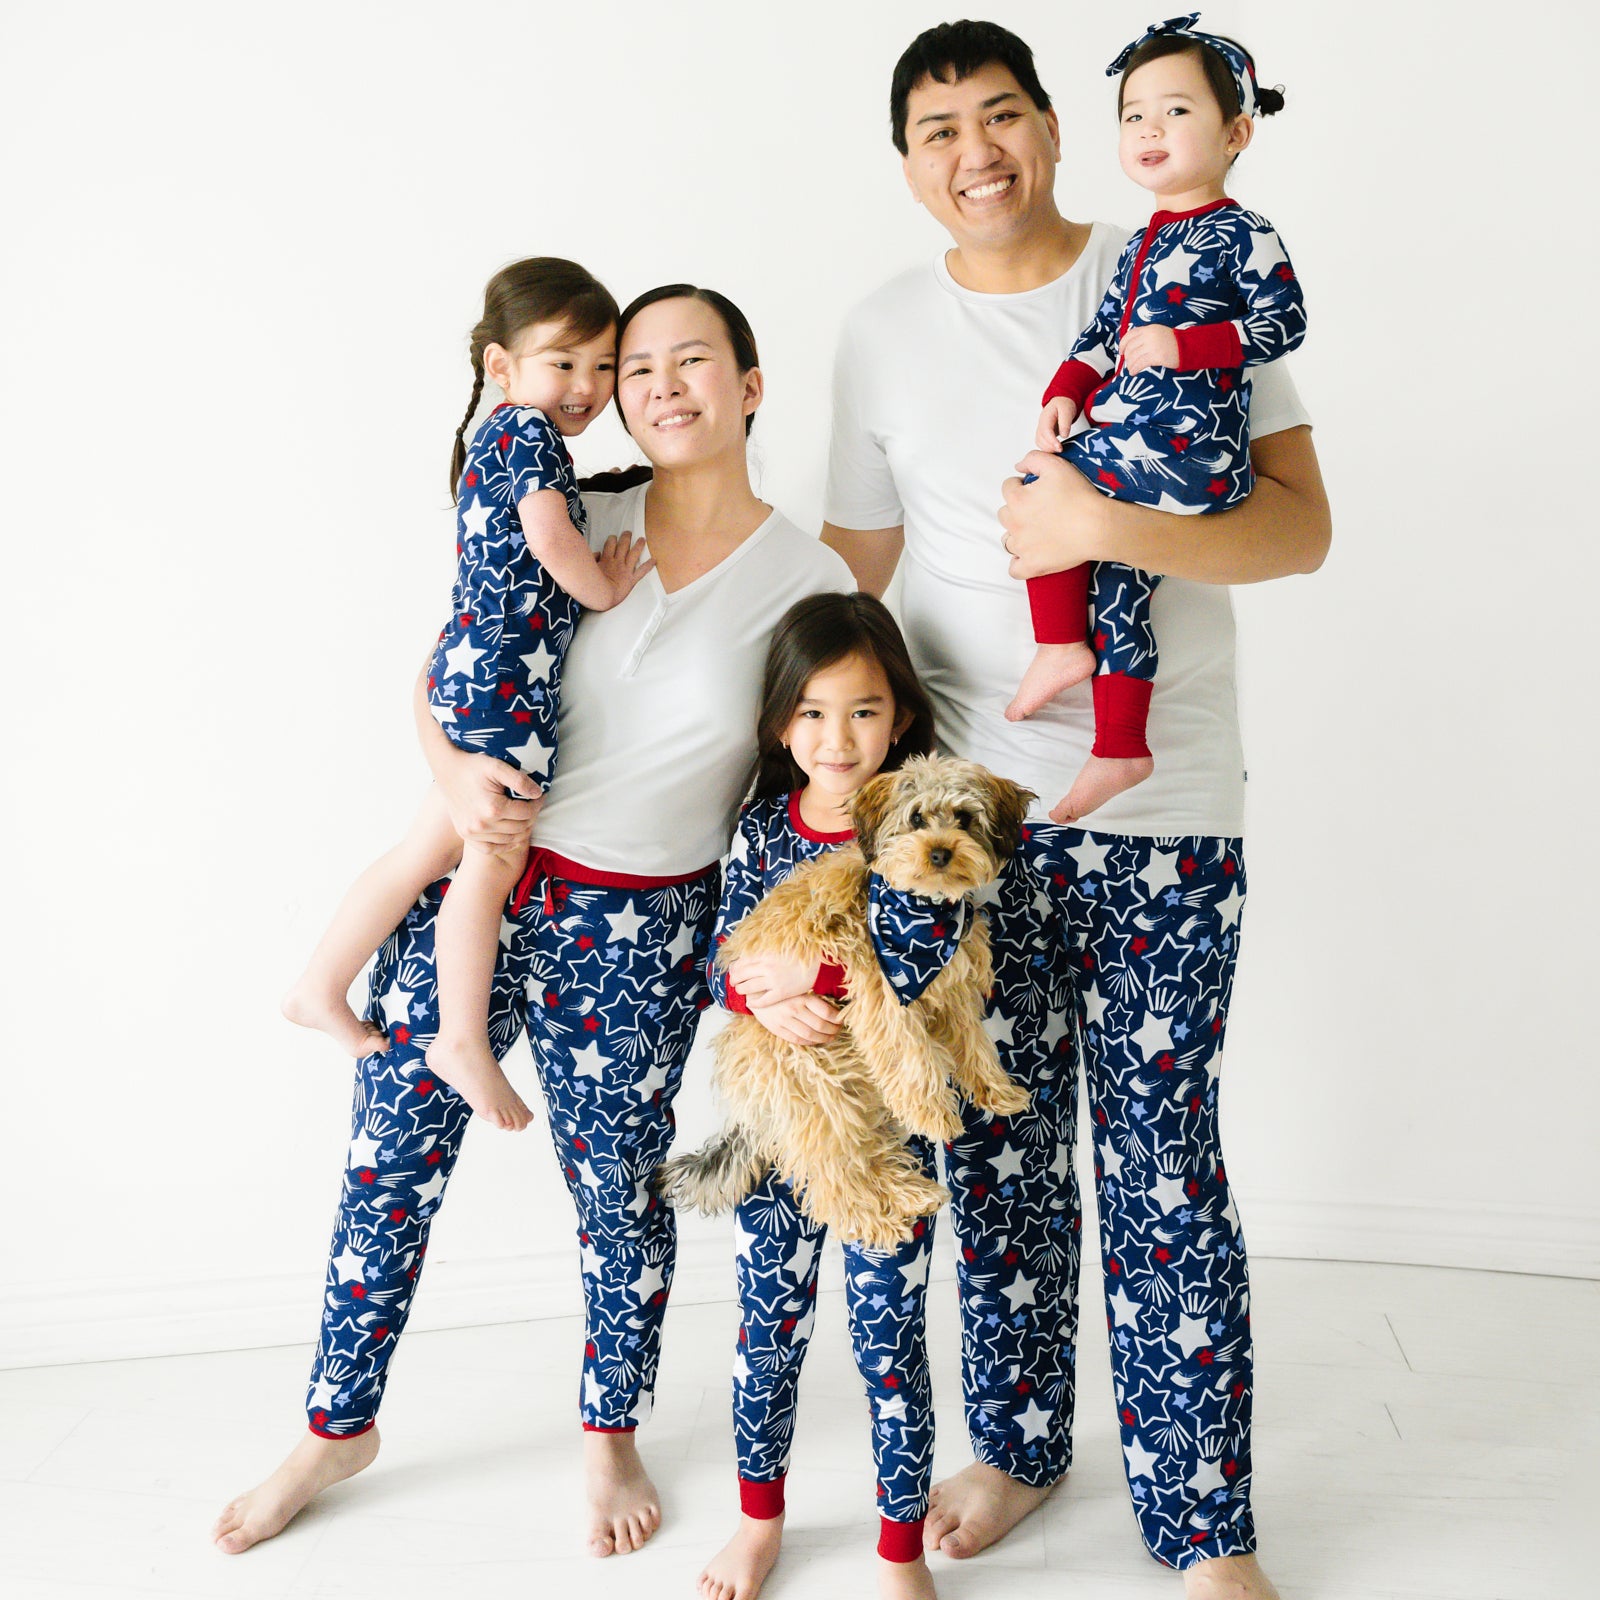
(755, 386)
(869, 810)
(497, 365)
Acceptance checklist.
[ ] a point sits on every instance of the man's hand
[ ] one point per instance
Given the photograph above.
(806, 1019)
(1052, 524)
(765, 980)
(1149, 346)
(1055, 423)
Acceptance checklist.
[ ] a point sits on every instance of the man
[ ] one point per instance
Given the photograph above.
(1131, 923)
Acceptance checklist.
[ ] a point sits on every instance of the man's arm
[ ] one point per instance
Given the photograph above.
(871, 554)
(1282, 527)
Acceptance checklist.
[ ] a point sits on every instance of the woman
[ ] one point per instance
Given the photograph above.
(606, 942)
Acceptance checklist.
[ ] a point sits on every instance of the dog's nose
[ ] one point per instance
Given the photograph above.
(939, 858)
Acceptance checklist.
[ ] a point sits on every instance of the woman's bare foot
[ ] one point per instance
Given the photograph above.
(313, 1465)
(1227, 1578)
(311, 1004)
(1098, 780)
(977, 1507)
(469, 1067)
(1055, 668)
(624, 1509)
(905, 1580)
(740, 1567)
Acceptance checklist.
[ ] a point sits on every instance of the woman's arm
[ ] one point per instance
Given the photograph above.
(1282, 527)
(871, 554)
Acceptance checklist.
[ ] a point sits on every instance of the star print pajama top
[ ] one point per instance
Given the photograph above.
(778, 1255)
(1175, 438)
(494, 680)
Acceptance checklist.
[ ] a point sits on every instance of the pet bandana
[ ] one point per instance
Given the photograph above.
(914, 937)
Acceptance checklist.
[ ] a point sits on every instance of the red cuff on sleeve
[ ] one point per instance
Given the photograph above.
(734, 1001)
(1211, 344)
(1059, 602)
(830, 980)
(1077, 380)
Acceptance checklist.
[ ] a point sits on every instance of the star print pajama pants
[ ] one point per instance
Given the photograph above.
(779, 1249)
(609, 983)
(1131, 944)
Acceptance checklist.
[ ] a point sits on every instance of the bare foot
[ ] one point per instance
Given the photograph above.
(313, 1465)
(906, 1580)
(740, 1567)
(310, 1004)
(1228, 1578)
(624, 1509)
(469, 1067)
(977, 1507)
(1054, 669)
(1098, 780)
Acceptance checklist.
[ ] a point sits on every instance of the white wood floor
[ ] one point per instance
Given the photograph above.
(1421, 1433)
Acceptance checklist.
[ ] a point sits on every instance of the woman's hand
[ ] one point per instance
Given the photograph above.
(765, 980)
(624, 560)
(474, 789)
(1052, 524)
(804, 1019)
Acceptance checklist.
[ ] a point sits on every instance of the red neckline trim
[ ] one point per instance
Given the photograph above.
(810, 833)
(1160, 219)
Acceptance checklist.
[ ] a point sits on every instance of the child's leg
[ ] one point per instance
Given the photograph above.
(469, 940)
(1059, 602)
(369, 912)
(1128, 659)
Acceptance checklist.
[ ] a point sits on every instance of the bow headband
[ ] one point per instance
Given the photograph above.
(1238, 63)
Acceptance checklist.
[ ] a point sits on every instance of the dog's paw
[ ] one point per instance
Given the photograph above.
(1005, 1100)
(662, 1183)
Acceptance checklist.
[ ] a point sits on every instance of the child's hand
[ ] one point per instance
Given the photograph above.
(1149, 346)
(806, 1019)
(764, 980)
(1055, 422)
(623, 561)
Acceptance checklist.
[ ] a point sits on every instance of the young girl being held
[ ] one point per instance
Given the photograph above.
(840, 703)
(525, 573)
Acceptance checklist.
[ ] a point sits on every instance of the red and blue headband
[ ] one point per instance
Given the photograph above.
(1238, 63)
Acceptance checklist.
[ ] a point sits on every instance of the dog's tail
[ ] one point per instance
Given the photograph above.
(717, 1176)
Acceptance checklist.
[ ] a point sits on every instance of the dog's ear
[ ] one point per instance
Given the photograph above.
(1008, 805)
(869, 810)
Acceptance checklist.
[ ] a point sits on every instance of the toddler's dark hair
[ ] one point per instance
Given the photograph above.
(951, 53)
(1218, 73)
(540, 289)
(817, 633)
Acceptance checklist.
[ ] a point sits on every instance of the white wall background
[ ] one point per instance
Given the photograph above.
(242, 249)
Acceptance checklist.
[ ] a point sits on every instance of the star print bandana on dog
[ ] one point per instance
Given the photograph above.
(914, 937)
(1239, 64)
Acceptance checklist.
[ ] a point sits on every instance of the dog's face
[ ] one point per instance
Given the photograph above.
(939, 827)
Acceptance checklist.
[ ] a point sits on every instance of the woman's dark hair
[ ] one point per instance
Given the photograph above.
(733, 319)
(813, 635)
(1218, 73)
(951, 53)
(540, 289)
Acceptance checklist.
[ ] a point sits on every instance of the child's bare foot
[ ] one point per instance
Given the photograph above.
(976, 1508)
(624, 1509)
(313, 1465)
(906, 1580)
(1098, 780)
(314, 1005)
(1228, 1578)
(469, 1067)
(740, 1567)
(1055, 668)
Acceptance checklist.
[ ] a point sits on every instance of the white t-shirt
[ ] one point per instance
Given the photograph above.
(936, 395)
(659, 699)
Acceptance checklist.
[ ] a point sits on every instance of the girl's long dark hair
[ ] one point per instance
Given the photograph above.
(814, 634)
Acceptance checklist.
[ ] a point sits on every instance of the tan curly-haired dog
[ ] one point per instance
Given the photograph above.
(833, 1118)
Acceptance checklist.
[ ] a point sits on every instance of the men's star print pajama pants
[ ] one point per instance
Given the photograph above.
(609, 983)
(1131, 942)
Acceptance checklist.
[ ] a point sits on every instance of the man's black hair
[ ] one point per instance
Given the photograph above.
(954, 51)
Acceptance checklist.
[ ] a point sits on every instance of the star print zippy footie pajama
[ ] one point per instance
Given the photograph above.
(1154, 925)
(608, 978)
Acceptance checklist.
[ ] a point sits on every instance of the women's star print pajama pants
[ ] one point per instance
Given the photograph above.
(609, 983)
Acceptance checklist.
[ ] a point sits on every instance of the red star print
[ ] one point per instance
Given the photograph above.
(1191, 1188)
(1227, 869)
(1198, 1538)
(379, 1334)
(997, 1128)
(590, 1351)
(1216, 1025)
(1100, 637)
(591, 1024)
(398, 1214)
(1139, 945)
(1221, 1177)
(1216, 486)
(366, 1174)
(1024, 1387)
(1128, 1418)
(1194, 1105)
(551, 998)
(1230, 1468)
(503, 440)
(1010, 1258)
(788, 1324)
(359, 1291)
(465, 619)
(920, 1228)
(1188, 866)
(536, 622)
(1179, 443)
(585, 942)
(579, 1146)
(1088, 963)
(507, 690)
(1165, 1061)
(1116, 1271)
(1109, 479)
(402, 1035)
(1163, 1255)
(979, 1190)
(472, 480)
(1225, 382)
(969, 1253)
(432, 1158)
(890, 1381)
(1206, 1358)
(423, 1086)
(1175, 295)
(1238, 1393)
(522, 716)
(319, 1417)
(1283, 274)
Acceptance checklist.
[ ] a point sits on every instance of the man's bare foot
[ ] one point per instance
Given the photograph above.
(624, 1509)
(740, 1567)
(1227, 1578)
(311, 1004)
(313, 1465)
(469, 1067)
(1055, 668)
(905, 1580)
(1098, 780)
(977, 1507)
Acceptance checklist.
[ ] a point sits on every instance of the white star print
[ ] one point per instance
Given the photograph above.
(1160, 872)
(587, 1176)
(1228, 907)
(460, 658)
(363, 1150)
(1111, 1159)
(682, 945)
(534, 756)
(999, 1027)
(799, 1264)
(1094, 1006)
(802, 1329)
(1008, 1164)
(1167, 1192)
(1124, 1308)
(741, 1367)
(350, 1267)
(1089, 856)
(1135, 447)
(1190, 1334)
(1174, 268)
(741, 1240)
(1020, 1291)
(625, 924)
(396, 1003)
(1056, 1027)
(1035, 1421)
(475, 519)
(1141, 1462)
(654, 1077)
(915, 1271)
(430, 1191)
(590, 1062)
(593, 1390)
(1113, 409)
(1265, 254)
(322, 1393)
(1154, 1035)
(1208, 1479)
(651, 1280)
(590, 1261)
(539, 661)
(1062, 1165)
(892, 1408)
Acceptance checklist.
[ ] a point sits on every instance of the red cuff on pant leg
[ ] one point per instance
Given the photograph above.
(322, 1433)
(763, 1501)
(594, 1427)
(1059, 602)
(900, 1541)
(1121, 711)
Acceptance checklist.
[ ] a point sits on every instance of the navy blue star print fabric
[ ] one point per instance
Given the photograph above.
(913, 936)
(494, 681)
